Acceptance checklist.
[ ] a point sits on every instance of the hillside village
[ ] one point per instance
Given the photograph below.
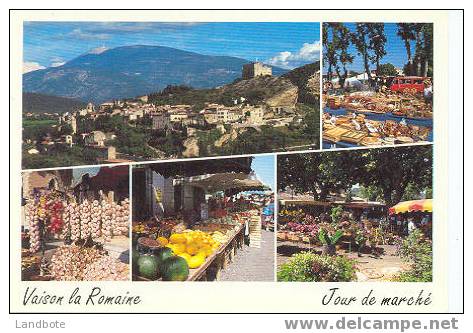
(148, 127)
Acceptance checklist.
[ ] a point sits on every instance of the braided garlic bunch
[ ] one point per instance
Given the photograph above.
(32, 219)
(96, 219)
(107, 222)
(125, 216)
(85, 218)
(66, 217)
(74, 218)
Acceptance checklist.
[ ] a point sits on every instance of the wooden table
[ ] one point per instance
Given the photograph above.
(210, 270)
(220, 259)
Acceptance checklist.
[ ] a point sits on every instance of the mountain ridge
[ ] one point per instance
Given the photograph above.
(129, 71)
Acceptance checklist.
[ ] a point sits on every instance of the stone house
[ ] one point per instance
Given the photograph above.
(95, 138)
(161, 121)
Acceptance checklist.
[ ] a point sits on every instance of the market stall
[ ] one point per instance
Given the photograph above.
(419, 212)
(196, 224)
(76, 226)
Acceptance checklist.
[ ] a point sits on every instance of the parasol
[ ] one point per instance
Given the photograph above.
(424, 205)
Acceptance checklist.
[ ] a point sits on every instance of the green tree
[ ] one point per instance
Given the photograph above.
(393, 169)
(342, 43)
(360, 40)
(377, 41)
(406, 32)
(320, 174)
(387, 70)
(330, 56)
(428, 51)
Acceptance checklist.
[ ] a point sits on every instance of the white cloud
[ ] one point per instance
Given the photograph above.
(57, 64)
(98, 50)
(84, 35)
(309, 52)
(31, 66)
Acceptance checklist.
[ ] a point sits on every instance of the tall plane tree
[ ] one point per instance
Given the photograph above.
(330, 56)
(342, 43)
(393, 169)
(360, 39)
(377, 42)
(406, 32)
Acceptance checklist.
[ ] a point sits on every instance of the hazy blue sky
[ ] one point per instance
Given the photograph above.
(395, 50)
(286, 45)
(264, 169)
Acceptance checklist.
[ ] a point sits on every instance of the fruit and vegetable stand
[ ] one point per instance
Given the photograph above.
(227, 239)
(195, 219)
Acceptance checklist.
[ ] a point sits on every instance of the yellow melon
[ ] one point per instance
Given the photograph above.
(196, 261)
(192, 249)
(177, 238)
(162, 240)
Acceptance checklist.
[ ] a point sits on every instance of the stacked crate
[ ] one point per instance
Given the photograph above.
(255, 231)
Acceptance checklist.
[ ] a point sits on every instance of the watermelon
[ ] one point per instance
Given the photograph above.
(134, 260)
(162, 254)
(148, 267)
(174, 269)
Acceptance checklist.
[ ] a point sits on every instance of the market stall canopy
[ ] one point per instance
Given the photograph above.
(107, 179)
(202, 167)
(412, 206)
(308, 200)
(233, 182)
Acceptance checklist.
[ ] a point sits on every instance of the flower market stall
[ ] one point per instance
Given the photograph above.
(196, 223)
(413, 214)
(76, 225)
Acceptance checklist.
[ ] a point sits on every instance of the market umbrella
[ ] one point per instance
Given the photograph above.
(424, 205)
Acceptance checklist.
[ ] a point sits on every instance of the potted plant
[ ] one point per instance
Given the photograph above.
(329, 241)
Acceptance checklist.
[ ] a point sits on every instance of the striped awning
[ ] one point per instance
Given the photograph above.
(412, 206)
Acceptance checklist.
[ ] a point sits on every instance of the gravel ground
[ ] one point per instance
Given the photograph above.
(252, 264)
(369, 267)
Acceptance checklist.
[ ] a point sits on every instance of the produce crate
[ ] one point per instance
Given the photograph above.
(220, 259)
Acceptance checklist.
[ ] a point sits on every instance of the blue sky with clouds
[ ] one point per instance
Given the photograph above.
(286, 45)
(395, 50)
(263, 166)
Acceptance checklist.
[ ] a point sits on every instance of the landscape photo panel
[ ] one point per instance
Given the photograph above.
(117, 92)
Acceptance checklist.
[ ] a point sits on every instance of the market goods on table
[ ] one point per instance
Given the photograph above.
(76, 263)
(184, 252)
(98, 220)
(85, 228)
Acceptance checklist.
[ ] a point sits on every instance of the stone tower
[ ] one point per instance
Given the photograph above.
(255, 69)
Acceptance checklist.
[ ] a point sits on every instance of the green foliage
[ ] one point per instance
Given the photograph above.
(207, 140)
(59, 156)
(336, 213)
(269, 139)
(417, 250)
(40, 103)
(170, 142)
(36, 129)
(412, 192)
(371, 193)
(310, 267)
(387, 70)
(421, 63)
(383, 173)
(327, 239)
